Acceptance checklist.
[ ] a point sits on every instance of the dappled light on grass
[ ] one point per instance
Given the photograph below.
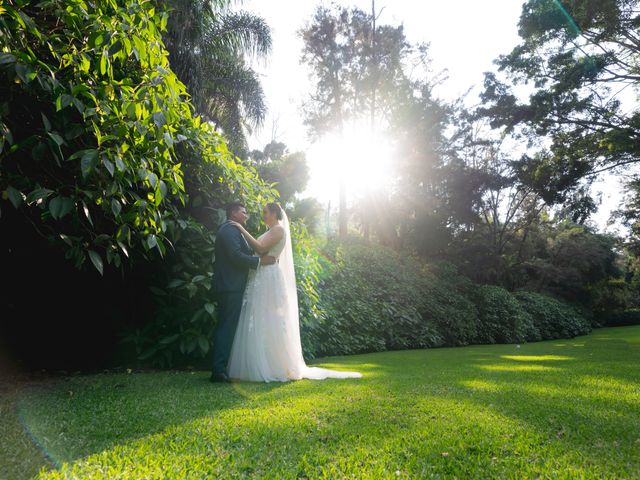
(518, 368)
(536, 358)
(417, 413)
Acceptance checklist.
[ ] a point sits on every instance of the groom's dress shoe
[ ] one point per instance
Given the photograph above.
(219, 377)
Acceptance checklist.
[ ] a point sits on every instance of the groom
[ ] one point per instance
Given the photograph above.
(233, 261)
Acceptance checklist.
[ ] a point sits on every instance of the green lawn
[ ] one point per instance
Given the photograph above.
(558, 409)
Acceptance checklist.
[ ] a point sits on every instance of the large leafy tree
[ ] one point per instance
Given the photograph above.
(103, 160)
(210, 46)
(579, 59)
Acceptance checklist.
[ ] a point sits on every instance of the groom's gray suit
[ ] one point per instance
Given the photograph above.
(233, 261)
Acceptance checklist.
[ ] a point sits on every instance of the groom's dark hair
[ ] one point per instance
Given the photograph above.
(233, 207)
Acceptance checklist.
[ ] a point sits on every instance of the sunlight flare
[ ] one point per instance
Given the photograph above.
(362, 160)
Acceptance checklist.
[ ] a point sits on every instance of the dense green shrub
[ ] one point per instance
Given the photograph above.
(372, 298)
(370, 302)
(502, 318)
(553, 318)
(446, 301)
(308, 267)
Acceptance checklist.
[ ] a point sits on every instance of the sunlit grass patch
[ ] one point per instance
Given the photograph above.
(519, 368)
(536, 358)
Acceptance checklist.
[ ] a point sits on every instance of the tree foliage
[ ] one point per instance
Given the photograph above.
(103, 156)
(209, 44)
(578, 57)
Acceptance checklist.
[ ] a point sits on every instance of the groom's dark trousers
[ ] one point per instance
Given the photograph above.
(230, 270)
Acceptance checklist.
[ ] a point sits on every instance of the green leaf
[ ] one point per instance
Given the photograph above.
(66, 239)
(103, 62)
(169, 339)
(162, 189)
(120, 164)
(56, 138)
(109, 165)
(210, 308)
(26, 73)
(198, 315)
(123, 248)
(116, 207)
(15, 196)
(152, 241)
(6, 58)
(38, 194)
(46, 122)
(158, 119)
(168, 139)
(88, 161)
(115, 48)
(96, 39)
(85, 209)
(176, 282)
(73, 131)
(96, 260)
(153, 179)
(60, 206)
(63, 101)
(158, 291)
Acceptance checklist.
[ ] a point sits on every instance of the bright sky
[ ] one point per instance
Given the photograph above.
(465, 37)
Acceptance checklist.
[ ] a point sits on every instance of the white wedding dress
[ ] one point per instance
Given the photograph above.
(267, 346)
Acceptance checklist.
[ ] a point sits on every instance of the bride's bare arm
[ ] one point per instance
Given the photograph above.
(262, 246)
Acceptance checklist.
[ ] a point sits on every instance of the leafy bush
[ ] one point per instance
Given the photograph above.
(446, 301)
(308, 267)
(370, 302)
(502, 318)
(372, 298)
(553, 318)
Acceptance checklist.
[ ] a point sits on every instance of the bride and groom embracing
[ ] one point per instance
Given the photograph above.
(257, 337)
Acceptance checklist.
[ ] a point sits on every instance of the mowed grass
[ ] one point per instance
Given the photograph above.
(557, 409)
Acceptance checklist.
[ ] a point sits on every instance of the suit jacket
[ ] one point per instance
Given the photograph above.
(233, 261)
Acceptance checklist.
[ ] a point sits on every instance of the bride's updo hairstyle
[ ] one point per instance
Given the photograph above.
(275, 209)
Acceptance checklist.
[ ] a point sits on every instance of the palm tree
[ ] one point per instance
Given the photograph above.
(209, 46)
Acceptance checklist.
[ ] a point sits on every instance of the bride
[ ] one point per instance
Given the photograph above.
(267, 345)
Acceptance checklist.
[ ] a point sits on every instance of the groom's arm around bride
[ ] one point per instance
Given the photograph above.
(233, 260)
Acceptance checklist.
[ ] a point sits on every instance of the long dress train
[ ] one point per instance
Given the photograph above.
(267, 345)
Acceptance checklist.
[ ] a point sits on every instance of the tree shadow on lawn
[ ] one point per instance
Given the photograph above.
(588, 402)
(581, 397)
(87, 414)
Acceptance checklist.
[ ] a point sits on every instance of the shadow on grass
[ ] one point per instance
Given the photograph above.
(85, 415)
